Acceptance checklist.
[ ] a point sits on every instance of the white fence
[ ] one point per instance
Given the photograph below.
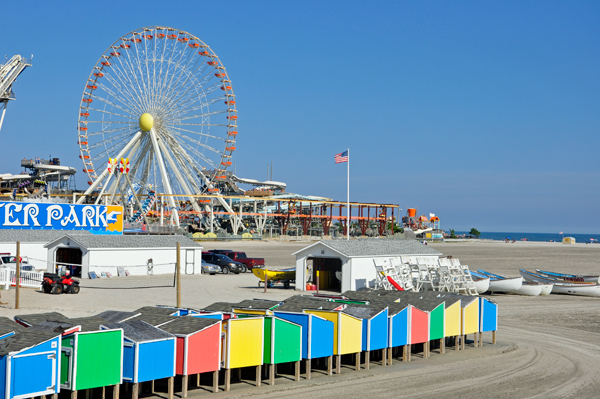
(8, 278)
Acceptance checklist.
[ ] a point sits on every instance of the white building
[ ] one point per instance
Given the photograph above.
(32, 243)
(106, 253)
(349, 265)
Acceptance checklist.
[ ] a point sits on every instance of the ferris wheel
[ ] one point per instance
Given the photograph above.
(161, 98)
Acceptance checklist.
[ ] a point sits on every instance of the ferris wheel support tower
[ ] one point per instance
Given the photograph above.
(8, 75)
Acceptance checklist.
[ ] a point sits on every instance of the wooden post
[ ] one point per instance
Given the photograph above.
(73, 394)
(357, 360)
(171, 388)
(184, 380)
(227, 379)
(198, 380)
(480, 339)
(238, 374)
(442, 346)
(383, 357)
(367, 359)
(390, 350)
(494, 337)
(215, 381)
(103, 392)
(178, 275)
(54, 396)
(265, 282)
(409, 349)
(338, 364)
(258, 375)
(151, 387)
(298, 370)
(457, 343)
(272, 374)
(329, 365)
(463, 340)
(308, 369)
(476, 340)
(18, 272)
(405, 353)
(116, 389)
(134, 391)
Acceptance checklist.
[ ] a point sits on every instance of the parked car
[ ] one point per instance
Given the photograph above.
(9, 261)
(209, 268)
(227, 265)
(241, 257)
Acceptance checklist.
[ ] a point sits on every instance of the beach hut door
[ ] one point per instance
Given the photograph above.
(41, 365)
(66, 367)
(189, 261)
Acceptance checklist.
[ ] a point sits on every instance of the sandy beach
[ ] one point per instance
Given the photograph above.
(547, 346)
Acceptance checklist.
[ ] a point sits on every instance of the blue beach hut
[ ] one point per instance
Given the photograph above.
(398, 328)
(317, 336)
(148, 352)
(374, 329)
(29, 364)
(488, 318)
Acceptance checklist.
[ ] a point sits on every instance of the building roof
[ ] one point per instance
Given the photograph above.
(92, 323)
(31, 319)
(375, 247)
(93, 241)
(7, 325)
(53, 326)
(256, 304)
(24, 340)
(155, 316)
(188, 325)
(364, 312)
(299, 303)
(139, 330)
(220, 307)
(115, 316)
(44, 236)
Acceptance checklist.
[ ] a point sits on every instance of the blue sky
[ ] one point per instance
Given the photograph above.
(484, 114)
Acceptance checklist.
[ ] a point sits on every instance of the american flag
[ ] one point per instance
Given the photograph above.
(341, 157)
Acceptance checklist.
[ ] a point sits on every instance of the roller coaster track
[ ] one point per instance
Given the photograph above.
(8, 75)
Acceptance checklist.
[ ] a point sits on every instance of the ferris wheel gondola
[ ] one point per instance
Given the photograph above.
(162, 98)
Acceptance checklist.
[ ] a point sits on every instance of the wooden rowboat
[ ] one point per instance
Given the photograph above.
(570, 278)
(529, 288)
(561, 287)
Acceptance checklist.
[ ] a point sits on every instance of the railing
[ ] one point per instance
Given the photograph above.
(8, 278)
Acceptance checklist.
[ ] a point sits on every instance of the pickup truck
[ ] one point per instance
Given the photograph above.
(9, 261)
(241, 257)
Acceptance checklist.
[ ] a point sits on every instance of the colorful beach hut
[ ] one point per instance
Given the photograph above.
(469, 318)
(283, 344)
(347, 336)
(29, 365)
(317, 336)
(374, 329)
(398, 329)
(488, 318)
(452, 320)
(148, 352)
(198, 347)
(243, 346)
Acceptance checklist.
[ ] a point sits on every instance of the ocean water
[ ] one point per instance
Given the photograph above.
(533, 236)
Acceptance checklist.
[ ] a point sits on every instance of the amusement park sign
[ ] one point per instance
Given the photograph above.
(98, 219)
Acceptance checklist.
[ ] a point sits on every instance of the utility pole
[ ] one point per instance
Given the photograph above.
(178, 275)
(18, 280)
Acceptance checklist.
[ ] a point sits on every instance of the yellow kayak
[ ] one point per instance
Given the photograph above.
(275, 275)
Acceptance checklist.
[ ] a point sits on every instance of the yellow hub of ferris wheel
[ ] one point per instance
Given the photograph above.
(146, 122)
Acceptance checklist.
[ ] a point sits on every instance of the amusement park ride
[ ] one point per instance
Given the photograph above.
(157, 128)
(9, 73)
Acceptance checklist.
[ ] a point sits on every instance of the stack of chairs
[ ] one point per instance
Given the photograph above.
(399, 272)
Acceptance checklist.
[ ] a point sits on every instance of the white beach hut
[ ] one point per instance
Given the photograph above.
(106, 253)
(348, 265)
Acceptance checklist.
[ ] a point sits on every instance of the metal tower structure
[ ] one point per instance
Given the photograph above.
(8, 75)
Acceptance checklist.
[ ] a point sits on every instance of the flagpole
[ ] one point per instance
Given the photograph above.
(348, 200)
